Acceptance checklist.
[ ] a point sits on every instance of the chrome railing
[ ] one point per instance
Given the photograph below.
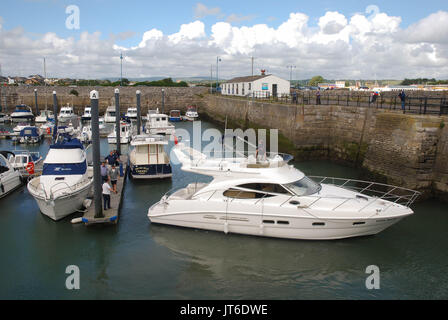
(379, 191)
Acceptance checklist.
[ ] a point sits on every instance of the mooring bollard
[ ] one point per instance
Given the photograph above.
(35, 102)
(117, 120)
(55, 112)
(97, 183)
(138, 111)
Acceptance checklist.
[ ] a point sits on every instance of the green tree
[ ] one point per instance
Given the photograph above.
(316, 80)
(74, 92)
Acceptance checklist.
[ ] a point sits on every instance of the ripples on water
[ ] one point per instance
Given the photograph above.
(137, 260)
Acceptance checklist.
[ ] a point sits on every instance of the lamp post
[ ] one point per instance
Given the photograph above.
(218, 59)
(121, 69)
(290, 73)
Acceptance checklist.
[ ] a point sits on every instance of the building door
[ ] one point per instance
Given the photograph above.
(274, 90)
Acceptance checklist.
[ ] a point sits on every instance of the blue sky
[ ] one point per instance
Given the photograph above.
(113, 16)
(336, 39)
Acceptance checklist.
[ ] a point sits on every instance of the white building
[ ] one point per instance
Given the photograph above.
(259, 86)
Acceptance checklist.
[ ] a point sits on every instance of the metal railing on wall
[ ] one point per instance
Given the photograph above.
(414, 104)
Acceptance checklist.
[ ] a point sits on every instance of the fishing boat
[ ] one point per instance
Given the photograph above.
(191, 114)
(66, 180)
(30, 135)
(158, 124)
(126, 133)
(175, 116)
(44, 116)
(66, 114)
(87, 115)
(22, 113)
(109, 115)
(4, 117)
(10, 179)
(148, 159)
(131, 114)
(268, 197)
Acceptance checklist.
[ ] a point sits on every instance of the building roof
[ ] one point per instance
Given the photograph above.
(247, 79)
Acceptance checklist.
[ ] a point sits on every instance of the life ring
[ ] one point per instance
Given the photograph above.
(30, 167)
(48, 130)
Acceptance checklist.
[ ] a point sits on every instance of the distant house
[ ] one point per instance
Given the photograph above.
(264, 85)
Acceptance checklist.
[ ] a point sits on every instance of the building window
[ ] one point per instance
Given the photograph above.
(250, 86)
(237, 88)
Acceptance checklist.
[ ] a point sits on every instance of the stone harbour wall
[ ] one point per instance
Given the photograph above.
(404, 149)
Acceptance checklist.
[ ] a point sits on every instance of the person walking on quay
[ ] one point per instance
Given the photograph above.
(113, 174)
(294, 97)
(106, 194)
(402, 96)
(104, 171)
(111, 158)
(318, 96)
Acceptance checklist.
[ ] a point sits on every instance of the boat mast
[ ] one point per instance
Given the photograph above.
(45, 84)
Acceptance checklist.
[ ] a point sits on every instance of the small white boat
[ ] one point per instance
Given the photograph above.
(267, 197)
(66, 180)
(4, 117)
(10, 179)
(15, 135)
(87, 115)
(126, 133)
(109, 115)
(175, 116)
(47, 128)
(148, 159)
(44, 116)
(22, 113)
(158, 124)
(131, 113)
(191, 114)
(66, 114)
(86, 134)
(21, 159)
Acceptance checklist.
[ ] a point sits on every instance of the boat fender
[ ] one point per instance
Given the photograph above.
(76, 220)
(226, 227)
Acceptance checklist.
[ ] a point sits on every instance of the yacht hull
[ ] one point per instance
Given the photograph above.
(62, 206)
(25, 118)
(269, 226)
(9, 183)
(113, 140)
(151, 171)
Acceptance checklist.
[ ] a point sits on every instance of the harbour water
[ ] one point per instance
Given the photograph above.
(138, 260)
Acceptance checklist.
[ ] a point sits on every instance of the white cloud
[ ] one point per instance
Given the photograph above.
(340, 46)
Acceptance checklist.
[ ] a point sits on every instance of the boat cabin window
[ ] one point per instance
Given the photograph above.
(240, 194)
(265, 187)
(304, 187)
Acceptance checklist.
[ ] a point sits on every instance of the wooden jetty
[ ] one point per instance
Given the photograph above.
(111, 215)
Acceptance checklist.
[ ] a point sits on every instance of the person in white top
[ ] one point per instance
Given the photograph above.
(106, 194)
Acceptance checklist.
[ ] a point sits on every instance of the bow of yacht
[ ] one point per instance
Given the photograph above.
(271, 198)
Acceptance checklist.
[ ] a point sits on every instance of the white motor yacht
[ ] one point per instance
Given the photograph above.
(66, 181)
(22, 113)
(158, 124)
(44, 116)
(131, 114)
(191, 114)
(148, 158)
(273, 199)
(31, 135)
(126, 133)
(66, 114)
(10, 179)
(109, 115)
(87, 115)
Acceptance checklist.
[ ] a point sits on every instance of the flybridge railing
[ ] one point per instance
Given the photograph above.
(379, 191)
(413, 104)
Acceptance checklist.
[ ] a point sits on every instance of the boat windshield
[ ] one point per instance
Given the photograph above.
(304, 187)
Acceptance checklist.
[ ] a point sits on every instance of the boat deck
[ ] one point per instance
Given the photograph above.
(111, 215)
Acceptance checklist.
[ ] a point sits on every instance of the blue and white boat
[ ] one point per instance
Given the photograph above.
(30, 135)
(148, 159)
(175, 116)
(22, 113)
(66, 180)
